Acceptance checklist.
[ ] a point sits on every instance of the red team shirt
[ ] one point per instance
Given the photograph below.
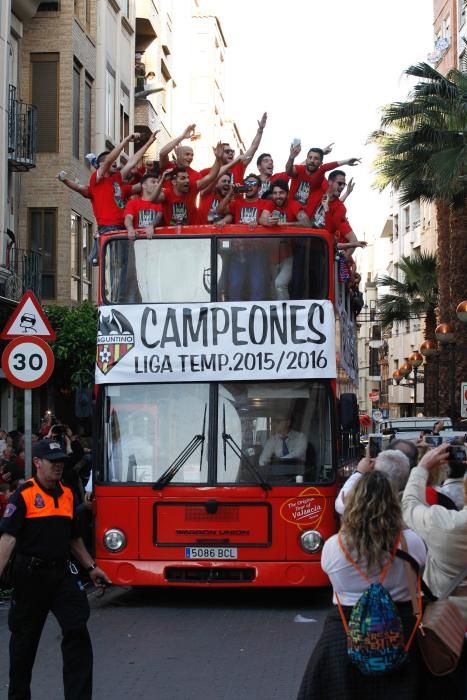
(143, 212)
(302, 184)
(207, 205)
(267, 184)
(236, 172)
(247, 211)
(179, 209)
(108, 197)
(335, 219)
(289, 212)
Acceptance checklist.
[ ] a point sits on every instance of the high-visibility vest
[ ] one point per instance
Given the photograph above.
(40, 504)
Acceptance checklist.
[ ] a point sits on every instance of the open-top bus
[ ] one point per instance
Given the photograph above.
(212, 343)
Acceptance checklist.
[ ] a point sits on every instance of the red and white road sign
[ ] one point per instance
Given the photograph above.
(27, 362)
(28, 320)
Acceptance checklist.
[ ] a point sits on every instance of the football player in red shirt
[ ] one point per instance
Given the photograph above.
(142, 212)
(310, 176)
(209, 200)
(283, 210)
(280, 209)
(179, 200)
(265, 165)
(326, 210)
(246, 210)
(237, 166)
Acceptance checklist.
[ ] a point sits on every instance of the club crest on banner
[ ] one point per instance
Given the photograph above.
(115, 338)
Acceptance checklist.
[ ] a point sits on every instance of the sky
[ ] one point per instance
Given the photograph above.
(322, 71)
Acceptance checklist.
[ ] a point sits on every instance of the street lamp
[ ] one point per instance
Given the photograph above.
(415, 359)
(461, 312)
(444, 334)
(429, 349)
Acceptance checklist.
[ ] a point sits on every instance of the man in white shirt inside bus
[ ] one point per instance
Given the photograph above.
(284, 445)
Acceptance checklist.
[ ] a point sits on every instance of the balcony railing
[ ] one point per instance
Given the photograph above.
(22, 271)
(22, 133)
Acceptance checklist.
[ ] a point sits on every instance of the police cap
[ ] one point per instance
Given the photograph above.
(49, 449)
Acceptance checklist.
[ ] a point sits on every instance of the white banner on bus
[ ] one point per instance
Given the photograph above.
(208, 342)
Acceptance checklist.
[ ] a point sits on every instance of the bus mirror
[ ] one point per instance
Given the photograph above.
(348, 412)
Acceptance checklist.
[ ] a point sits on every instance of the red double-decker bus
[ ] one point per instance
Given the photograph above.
(218, 433)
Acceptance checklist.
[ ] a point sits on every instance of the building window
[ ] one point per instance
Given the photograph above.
(44, 95)
(124, 115)
(110, 104)
(462, 12)
(43, 239)
(50, 6)
(447, 28)
(407, 219)
(76, 110)
(87, 116)
(81, 239)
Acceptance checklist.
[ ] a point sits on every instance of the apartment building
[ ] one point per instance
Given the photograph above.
(411, 229)
(450, 34)
(75, 65)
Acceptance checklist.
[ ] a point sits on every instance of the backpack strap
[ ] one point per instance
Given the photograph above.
(341, 612)
(384, 570)
(415, 597)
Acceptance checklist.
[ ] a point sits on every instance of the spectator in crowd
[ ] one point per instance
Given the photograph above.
(453, 485)
(370, 534)
(438, 427)
(445, 534)
(310, 177)
(141, 212)
(393, 463)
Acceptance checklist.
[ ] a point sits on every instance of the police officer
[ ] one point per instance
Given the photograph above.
(40, 520)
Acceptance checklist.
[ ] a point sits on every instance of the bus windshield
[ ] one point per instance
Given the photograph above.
(178, 269)
(280, 430)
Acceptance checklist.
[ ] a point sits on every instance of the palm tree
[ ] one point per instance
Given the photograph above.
(422, 152)
(415, 296)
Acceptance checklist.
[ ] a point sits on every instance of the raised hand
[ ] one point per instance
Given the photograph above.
(295, 150)
(189, 131)
(218, 151)
(354, 161)
(327, 149)
(262, 121)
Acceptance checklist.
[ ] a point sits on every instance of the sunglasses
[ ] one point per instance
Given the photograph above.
(250, 183)
(229, 151)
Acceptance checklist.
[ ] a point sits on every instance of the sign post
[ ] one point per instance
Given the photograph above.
(463, 399)
(27, 360)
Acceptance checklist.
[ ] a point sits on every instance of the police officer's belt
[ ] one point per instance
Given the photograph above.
(38, 563)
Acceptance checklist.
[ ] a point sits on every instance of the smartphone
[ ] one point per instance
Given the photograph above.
(457, 453)
(433, 440)
(240, 188)
(375, 445)
(296, 143)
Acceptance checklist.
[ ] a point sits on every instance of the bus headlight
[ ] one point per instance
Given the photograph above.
(311, 541)
(114, 540)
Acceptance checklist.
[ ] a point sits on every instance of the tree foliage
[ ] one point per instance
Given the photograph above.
(422, 141)
(413, 296)
(75, 347)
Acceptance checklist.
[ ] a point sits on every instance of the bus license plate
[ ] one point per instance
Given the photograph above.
(210, 552)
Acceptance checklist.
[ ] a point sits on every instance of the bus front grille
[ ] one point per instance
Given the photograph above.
(180, 574)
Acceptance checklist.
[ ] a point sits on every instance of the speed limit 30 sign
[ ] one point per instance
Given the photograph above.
(27, 363)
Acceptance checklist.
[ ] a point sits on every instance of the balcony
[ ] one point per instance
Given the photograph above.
(22, 271)
(147, 24)
(146, 120)
(22, 133)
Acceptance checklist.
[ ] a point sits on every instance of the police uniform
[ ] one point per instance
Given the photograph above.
(43, 522)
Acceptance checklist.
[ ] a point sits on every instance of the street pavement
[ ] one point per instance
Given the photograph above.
(188, 644)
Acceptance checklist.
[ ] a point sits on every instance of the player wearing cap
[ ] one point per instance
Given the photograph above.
(39, 523)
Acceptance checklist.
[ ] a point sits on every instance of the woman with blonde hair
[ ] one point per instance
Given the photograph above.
(356, 557)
